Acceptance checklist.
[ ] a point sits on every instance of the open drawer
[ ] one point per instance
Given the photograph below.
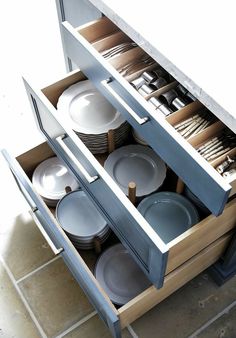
(85, 45)
(154, 257)
(79, 262)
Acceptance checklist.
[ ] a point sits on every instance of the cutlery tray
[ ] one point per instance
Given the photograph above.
(84, 46)
(189, 254)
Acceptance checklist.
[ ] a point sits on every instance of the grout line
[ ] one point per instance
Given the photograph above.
(37, 269)
(34, 319)
(132, 332)
(80, 322)
(212, 320)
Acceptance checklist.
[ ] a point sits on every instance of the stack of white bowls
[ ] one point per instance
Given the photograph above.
(91, 116)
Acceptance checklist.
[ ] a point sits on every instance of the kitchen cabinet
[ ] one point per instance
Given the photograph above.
(168, 266)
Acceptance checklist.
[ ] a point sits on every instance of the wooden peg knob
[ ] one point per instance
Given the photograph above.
(68, 189)
(179, 186)
(97, 245)
(132, 192)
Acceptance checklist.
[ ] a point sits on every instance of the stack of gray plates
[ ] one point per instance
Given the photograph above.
(50, 179)
(91, 116)
(81, 221)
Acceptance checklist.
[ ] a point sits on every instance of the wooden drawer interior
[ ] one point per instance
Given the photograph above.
(190, 110)
(214, 232)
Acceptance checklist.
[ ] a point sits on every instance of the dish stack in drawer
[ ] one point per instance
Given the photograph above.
(189, 254)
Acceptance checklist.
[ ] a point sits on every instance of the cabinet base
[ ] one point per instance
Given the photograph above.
(220, 274)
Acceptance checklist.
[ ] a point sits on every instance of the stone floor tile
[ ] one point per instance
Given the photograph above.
(20, 237)
(224, 327)
(55, 298)
(187, 309)
(94, 328)
(15, 321)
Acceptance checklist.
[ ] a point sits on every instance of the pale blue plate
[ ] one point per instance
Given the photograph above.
(169, 214)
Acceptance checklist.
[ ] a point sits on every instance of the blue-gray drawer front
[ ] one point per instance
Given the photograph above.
(69, 254)
(210, 188)
(114, 206)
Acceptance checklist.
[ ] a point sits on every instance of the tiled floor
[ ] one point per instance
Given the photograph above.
(40, 298)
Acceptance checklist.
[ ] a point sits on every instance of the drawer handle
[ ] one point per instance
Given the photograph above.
(55, 250)
(88, 177)
(140, 120)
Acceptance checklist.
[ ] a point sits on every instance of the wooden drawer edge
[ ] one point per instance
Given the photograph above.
(200, 236)
(151, 297)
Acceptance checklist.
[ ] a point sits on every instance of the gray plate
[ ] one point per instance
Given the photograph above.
(119, 275)
(139, 164)
(78, 216)
(169, 214)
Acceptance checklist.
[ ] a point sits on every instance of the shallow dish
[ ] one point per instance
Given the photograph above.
(89, 112)
(119, 275)
(78, 216)
(50, 178)
(139, 164)
(169, 214)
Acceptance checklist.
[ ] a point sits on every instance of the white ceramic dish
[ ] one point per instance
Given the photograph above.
(50, 178)
(78, 216)
(139, 164)
(88, 111)
(170, 214)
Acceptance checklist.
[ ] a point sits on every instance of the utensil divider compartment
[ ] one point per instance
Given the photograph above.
(188, 111)
(164, 89)
(110, 41)
(131, 55)
(137, 73)
(186, 162)
(98, 29)
(79, 263)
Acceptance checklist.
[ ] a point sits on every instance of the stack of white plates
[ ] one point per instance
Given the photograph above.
(139, 164)
(81, 221)
(50, 179)
(119, 275)
(91, 116)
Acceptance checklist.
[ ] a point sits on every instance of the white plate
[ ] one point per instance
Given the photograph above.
(89, 112)
(119, 275)
(78, 216)
(139, 164)
(51, 177)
